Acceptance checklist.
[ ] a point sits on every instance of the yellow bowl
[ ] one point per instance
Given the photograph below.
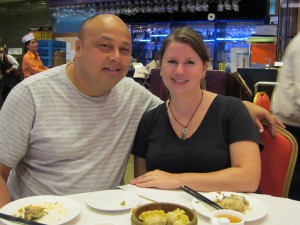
(166, 207)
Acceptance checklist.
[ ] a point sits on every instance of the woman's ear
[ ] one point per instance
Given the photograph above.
(205, 67)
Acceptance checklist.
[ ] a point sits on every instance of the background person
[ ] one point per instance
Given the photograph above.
(32, 63)
(197, 138)
(77, 122)
(286, 102)
(10, 72)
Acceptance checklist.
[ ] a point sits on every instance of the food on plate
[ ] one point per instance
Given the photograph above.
(234, 202)
(177, 217)
(159, 217)
(231, 218)
(38, 211)
(31, 212)
(154, 217)
(123, 203)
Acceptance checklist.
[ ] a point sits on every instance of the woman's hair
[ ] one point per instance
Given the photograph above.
(25, 46)
(189, 36)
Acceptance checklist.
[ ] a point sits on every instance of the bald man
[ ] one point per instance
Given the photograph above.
(76, 122)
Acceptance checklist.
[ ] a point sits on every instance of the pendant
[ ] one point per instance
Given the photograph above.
(184, 132)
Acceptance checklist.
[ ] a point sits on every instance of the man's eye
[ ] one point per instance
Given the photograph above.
(106, 46)
(125, 50)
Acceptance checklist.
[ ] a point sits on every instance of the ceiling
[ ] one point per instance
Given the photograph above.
(18, 1)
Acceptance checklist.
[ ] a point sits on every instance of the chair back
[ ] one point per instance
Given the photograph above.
(262, 99)
(278, 161)
(157, 86)
(217, 81)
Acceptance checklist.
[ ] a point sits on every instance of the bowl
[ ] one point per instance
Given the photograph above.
(227, 217)
(166, 207)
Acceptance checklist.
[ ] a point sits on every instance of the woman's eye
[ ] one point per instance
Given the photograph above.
(190, 62)
(171, 61)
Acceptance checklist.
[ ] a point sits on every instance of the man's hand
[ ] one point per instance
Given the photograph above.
(259, 113)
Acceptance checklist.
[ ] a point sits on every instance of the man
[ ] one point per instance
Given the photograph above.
(286, 102)
(9, 70)
(77, 122)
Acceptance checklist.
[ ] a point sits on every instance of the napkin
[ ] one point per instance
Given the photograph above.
(158, 195)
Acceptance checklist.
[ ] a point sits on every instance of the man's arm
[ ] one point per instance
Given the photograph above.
(4, 193)
(259, 113)
(12, 60)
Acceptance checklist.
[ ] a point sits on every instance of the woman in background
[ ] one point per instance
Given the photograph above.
(197, 138)
(32, 63)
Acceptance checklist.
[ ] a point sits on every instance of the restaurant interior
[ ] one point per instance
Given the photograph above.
(246, 41)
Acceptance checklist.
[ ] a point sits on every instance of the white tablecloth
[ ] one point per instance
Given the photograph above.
(281, 211)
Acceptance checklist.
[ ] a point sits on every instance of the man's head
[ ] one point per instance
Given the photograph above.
(102, 54)
(2, 50)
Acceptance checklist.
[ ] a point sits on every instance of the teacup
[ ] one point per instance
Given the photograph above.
(227, 217)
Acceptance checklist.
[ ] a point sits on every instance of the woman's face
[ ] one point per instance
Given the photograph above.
(182, 69)
(33, 45)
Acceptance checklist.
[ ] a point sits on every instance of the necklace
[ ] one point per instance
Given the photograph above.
(185, 129)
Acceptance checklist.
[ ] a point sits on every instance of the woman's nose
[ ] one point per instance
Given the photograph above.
(179, 69)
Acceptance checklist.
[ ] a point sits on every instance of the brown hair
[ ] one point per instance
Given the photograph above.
(189, 36)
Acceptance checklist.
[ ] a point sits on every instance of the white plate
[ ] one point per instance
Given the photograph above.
(257, 208)
(62, 210)
(113, 200)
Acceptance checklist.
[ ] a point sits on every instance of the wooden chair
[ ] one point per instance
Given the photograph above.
(262, 99)
(278, 161)
(157, 86)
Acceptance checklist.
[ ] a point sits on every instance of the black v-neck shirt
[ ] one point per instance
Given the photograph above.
(226, 121)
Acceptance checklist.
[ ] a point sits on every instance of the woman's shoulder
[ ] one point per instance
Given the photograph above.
(222, 100)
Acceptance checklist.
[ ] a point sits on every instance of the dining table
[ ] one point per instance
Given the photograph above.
(280, 211)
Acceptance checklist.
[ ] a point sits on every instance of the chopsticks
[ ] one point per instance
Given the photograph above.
(18, 220)
(200, 197)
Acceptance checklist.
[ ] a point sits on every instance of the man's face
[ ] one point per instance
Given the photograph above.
(1, 52)
(103, 54)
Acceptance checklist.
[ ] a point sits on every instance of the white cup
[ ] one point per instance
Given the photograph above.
(227, 217)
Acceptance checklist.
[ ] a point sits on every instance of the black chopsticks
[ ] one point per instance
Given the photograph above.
(200, 197)
(18, 220)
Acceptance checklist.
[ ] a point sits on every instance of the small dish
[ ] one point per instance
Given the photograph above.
(227, 217)
(113, 200)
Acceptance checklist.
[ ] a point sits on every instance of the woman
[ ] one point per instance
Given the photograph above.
(197, 138)
(32, 63)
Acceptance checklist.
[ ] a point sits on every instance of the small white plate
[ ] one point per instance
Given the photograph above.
(257, 208)
(61, 209)
(113, 200)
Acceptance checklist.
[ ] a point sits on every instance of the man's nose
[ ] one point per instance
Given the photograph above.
(115, 55)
